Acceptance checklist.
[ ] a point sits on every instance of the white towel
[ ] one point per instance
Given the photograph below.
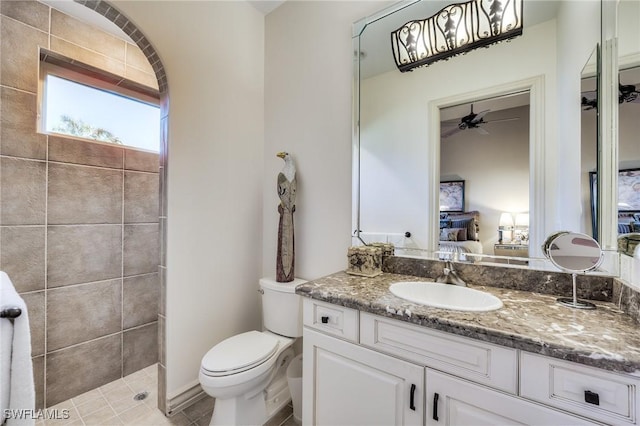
(21, 385)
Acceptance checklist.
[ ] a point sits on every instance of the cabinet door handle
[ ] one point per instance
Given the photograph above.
(324, 319)
(591, 398)
(435, 406)
(412, 404)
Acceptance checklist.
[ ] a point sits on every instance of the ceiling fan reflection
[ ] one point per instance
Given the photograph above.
(472, 121)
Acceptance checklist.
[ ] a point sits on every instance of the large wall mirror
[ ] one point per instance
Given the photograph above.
(516, 164)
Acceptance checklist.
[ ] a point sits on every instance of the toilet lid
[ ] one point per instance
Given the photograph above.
(240, 352)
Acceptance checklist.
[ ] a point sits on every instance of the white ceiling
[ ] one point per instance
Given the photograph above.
(266, 6)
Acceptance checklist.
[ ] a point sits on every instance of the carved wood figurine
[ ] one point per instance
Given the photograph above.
(285, 258)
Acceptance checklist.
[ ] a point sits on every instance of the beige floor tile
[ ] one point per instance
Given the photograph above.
(142, 384)
(156, 418)
(104, 416)
(115, 386)
(65, 408)
(130, 416)
(125, 404)
(118, 395)
(92, 406)
(151, 370)
(178, 420)
(87, 396)
(140, 374)
(152, 399)
(77, 422)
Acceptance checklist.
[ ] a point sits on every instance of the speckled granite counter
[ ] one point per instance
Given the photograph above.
(606, 338)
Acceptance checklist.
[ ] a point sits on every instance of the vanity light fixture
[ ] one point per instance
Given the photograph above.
(456, 29)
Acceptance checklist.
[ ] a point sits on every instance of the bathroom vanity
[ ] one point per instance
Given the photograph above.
(372, 358)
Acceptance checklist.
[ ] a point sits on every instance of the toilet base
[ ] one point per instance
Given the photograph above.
(261, 406)
(237, 411)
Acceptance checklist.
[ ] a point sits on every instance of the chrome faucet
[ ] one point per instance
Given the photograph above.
(450, 276)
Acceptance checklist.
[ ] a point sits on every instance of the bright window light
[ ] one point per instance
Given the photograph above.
(83, 111)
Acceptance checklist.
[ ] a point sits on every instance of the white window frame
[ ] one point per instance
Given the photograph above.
(47, 69)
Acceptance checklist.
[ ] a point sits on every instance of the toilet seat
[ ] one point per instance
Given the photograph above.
(239, 353)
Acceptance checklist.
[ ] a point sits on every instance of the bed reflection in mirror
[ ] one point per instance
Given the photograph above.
(485, 144)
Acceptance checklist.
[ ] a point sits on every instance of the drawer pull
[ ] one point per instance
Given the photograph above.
(412, 404)
(324, 319)
(435, 406)
(591, 397)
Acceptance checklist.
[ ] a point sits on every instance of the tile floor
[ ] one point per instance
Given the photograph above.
(114, 404)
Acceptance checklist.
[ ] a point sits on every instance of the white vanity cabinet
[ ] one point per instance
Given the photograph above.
(365, 369)
(453, 401)
(353, 385)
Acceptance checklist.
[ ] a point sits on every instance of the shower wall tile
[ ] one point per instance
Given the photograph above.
(86, 195)
(135, 58)
(36, 310)
(18, 54)
(84, 253)
(83, 312)
(141, 77)
(140, 348)
(29, 12)
(68, 150)
(22, 256)
(22, 191)
(140, 197)
(141, 161)
(141, 254)
(18, 116)
(162, 271)
(81, 34)
(62, 206)
(162, 337)
(140, 300)
(38, 379)
(80, 368)
(162, 388)
(87, 56)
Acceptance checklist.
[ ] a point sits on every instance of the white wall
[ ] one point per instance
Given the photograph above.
(213, 53)
(575, 44)
(308, 68)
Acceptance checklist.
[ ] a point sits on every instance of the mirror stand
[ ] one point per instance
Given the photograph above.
(573, 252)
(574, 302)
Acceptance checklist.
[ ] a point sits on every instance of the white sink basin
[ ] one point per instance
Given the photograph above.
(445, 296)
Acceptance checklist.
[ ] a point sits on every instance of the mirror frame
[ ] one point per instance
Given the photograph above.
(607, 147)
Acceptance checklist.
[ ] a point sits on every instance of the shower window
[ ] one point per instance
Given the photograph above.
(80, 106)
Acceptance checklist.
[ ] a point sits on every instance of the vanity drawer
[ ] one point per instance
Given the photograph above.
(484, 363)
(613, 398)
(332, 319)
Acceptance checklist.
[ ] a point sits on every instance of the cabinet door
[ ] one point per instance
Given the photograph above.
(346, 384)
(452, 401)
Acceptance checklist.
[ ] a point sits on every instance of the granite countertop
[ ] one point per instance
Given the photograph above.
(605, 338)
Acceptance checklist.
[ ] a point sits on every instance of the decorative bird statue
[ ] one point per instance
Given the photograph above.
(285, 258)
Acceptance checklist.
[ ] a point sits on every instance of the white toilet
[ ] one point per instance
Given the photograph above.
(246, 373)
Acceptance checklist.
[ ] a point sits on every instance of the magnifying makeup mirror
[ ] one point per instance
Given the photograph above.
(575, 253)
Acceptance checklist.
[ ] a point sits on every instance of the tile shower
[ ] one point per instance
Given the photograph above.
(78, 221)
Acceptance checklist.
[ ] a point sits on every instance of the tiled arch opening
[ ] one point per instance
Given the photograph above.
(110, 12)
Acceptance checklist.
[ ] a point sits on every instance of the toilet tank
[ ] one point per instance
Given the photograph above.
(281, 307)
